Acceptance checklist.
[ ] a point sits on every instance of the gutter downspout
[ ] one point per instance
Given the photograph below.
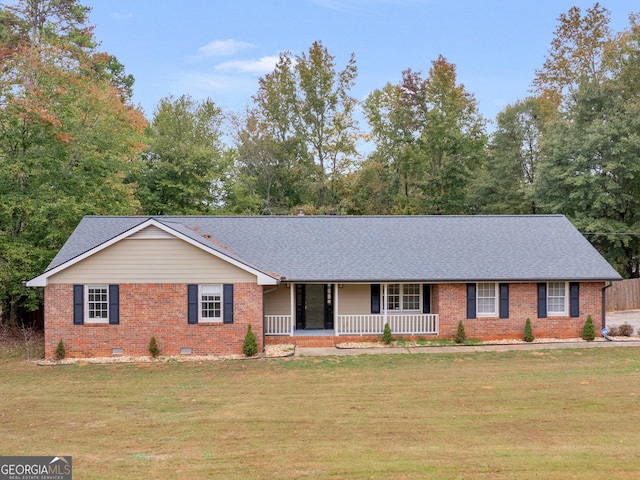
(604, 304)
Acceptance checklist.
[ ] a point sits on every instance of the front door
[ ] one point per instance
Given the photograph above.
(314, 306)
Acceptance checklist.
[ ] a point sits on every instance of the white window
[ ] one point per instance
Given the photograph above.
(411, 296)
(210, 303)
(486, 300)
(404, 297)
(97, 304)
(393, 296)
(557, 298)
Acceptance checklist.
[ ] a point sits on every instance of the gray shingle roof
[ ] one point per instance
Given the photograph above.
(376, 249)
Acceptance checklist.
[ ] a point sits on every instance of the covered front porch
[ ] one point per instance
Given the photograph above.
(349, 310)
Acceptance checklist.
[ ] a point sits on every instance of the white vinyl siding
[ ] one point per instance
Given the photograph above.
(97, 304)
(486, 300)
(354, 299)
(278, 302)
(557, 298)
(149, 260)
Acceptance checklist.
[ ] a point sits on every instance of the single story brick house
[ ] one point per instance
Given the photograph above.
(196, 283)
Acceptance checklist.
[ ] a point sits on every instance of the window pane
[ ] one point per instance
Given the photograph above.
(556, 297)
(486, 298)
(411, 296)
(211, 301)
(97, 302)
(393, 296)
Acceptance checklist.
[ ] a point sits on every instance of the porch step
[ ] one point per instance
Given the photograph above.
(319, 341)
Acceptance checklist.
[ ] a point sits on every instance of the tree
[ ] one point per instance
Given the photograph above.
(591, 174)
(461, 335)
(183, 169)
(589, 330)
(528, 331)
(453, 140)
(504, 184)
(299, 140)
(49, 21)
(324, 116)
(390, 177)
(250, 345)
(67, 141)
(274, 169)
(582, 49)
(429, 139)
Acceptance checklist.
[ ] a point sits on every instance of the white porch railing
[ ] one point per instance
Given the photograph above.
(400, 324)
(278, 325)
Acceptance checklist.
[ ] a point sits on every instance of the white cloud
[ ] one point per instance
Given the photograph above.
(223, 48)
(205, 82)
(122, 16)
(260, 66)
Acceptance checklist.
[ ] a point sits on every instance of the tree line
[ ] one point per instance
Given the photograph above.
(72, 143)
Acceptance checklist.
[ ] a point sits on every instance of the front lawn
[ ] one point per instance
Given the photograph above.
(548, 414)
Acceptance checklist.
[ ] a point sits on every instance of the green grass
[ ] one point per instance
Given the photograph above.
(437, 342)
(548, 414)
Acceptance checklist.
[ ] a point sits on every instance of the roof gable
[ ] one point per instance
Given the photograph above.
(146, 228)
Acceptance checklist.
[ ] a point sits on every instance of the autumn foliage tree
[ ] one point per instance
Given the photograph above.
(582, 48)
(67, 141)
(429, 138)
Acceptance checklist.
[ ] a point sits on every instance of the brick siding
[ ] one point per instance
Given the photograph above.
(451, 304)
(160, 310)
(151, 310)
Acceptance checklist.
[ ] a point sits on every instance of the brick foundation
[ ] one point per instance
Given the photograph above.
(151, 310)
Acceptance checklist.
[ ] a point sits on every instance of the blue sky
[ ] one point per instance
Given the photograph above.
(219, 48)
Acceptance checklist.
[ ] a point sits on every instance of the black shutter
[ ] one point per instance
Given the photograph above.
(471, 300)
(114, 304)
(375, 298)
(542, 300)
(78, 304)
(192, 299)
(227, 294)
(574, 299)
(426, 298)
(504, 300)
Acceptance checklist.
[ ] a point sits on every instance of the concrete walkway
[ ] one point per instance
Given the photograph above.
(321, 352)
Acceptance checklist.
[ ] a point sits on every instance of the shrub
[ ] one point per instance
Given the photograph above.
(153, 347)
(461, 336)
(528, 332)
(60, 351)
(614, 331)
(589, 330)
(387, 337)
(250, 346)
(626, 330)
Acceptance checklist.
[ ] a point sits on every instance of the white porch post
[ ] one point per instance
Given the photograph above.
(292, 295)
(335, 308)
(384, 302)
